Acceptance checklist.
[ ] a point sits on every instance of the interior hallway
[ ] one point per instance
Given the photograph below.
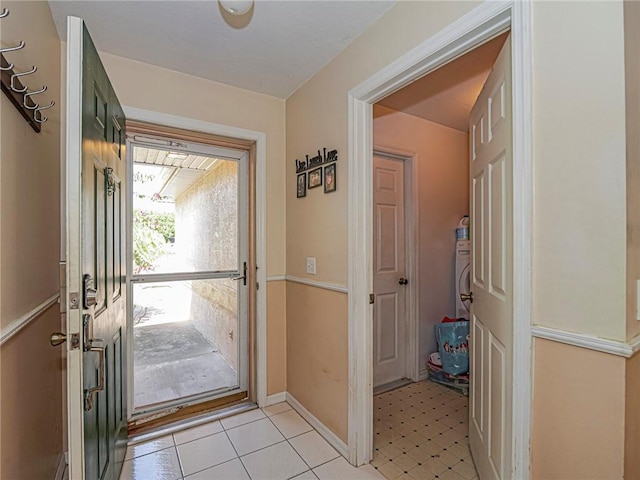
(422, 433)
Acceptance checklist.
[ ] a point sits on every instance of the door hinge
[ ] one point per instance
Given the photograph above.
(257, 286)
(372, 298)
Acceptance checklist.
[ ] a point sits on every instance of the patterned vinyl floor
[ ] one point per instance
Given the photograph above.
(421, 432)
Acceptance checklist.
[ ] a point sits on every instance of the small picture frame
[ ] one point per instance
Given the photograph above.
(330, 178)
(301, 182)
(315, 177)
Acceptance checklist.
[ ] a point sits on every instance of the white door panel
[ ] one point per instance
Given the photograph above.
(490, 428)
(389, 266)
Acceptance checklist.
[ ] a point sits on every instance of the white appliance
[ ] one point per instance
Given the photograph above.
(463, 277)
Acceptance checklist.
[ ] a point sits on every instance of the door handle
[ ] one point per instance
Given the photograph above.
(57, 338)
(243, 277)
(464, 297)
(90, 294)
(89, 393)
(403, 281)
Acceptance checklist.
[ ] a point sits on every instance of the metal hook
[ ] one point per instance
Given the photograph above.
(16, 75)
(27, 95)
(5, 13)
(37, 113)
(7, 68)
(13, 49)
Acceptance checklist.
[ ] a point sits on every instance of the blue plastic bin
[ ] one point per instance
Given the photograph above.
(453, 346)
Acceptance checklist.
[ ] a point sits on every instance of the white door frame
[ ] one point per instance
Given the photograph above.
(412, 257)
(260, 140)
(477, 26)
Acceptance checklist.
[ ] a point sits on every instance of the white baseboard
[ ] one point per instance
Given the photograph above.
(423, 375)
(275, 398)
(62, 465)
(327, 434)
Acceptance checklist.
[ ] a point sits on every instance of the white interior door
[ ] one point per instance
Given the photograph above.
(389, 269)
(490, 424)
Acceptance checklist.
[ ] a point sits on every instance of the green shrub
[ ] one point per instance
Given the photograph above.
(148, 246)
(163, 223)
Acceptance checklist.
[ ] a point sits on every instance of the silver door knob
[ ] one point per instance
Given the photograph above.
(57, 338)
(403, 281)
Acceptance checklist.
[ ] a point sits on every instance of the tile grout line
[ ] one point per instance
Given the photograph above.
(287, 440)
(237, 455)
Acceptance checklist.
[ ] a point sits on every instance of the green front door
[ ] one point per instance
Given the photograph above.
(98, 260)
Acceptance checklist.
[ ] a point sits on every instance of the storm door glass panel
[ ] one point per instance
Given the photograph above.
(185, 212)
(186, 339)
(188, 288)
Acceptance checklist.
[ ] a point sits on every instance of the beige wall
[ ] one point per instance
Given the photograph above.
(276, 337)
(31, 427)
(31, 370)
(578, 413)
(579, 233)
(632, 90)
(632, 418)
(579, 168)
(317, 370)
(317, 117)
(442, 170)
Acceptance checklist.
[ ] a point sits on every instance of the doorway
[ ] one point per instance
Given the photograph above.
(196, 311)
(190, 259)
(430, 118)
(483, 23)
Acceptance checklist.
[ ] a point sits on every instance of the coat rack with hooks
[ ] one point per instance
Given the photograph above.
(20, 95)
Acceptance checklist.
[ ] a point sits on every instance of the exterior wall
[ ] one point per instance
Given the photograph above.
(578, 413)
(206, 239)
(31, 431)
(442, 171)
(157, 89)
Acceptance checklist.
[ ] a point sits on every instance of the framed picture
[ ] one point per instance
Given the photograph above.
(301, 189)
(330, 178)
(315, 177)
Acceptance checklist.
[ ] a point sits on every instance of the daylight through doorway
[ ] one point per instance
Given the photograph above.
(188, 300)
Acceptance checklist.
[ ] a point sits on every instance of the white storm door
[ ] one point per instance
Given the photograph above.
(491, 352)
(389, 312)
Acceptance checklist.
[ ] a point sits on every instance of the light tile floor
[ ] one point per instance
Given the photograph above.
(274, 443)
(421, 432)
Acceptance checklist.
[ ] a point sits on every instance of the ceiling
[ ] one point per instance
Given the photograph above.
(447, 95)
(273, 49)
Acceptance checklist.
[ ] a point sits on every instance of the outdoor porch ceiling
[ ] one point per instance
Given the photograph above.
(179, 170)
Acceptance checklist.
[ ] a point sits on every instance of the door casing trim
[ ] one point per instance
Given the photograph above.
(480, 24)
(260, 139)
